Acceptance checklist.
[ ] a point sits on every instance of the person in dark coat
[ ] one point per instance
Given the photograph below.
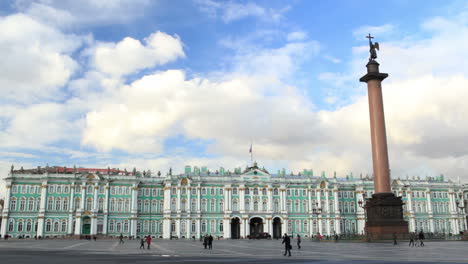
(298, 241)
(411, 240)
(142, 243)
(121, 239)
(395, 239)
(421, 238)
(210, 242)
(287, 244)
(205, 241)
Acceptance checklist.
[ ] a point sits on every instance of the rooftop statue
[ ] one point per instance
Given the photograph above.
(372, 48)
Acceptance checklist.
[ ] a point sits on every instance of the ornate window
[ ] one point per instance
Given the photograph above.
(234, 205)
(147, 206)
(203, 205)
(289, 206)
(29, 226)
(173, 204)
(203, 227)
(193, 206)
(221, 205)
(203, 191)
(304, 206)
(50, 204)
(247, 191)
(296, 192)
(183, 205)
(65, 204)
(11, 225)
(264, 191)
(174, 190)
(59, 189)
(57, 204)
(183, 227)
(221, 191)
(194, 227)
(276, 205)
(212, 205)
(20, 226)
(275, 191)
(101, 204)
(112, 204)
(48, 226)
(297, 206)
(288, 192)
(255, 191)
(255, 205)
(221, 227)
(90, 189)
(173, 227)
(64, 226)
(161, 205)
(234, 191)
(212, 191)
(126, 226)
(213, 226)
(147, 192)
(89, 204)
(264, 205)
(247, 204)
(22, 204)
(38, 204)
(154, 206)
(127, 205)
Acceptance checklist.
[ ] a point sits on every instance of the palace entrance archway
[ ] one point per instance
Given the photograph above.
(86, 228)
(276, 227)
(256, 226)
(235, 228)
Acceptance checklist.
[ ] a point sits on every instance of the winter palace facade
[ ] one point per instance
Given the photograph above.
(60, 201)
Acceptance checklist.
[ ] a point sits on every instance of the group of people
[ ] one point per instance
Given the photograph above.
(208, 241)
(147, 240)
(417, 240)
(287, 243)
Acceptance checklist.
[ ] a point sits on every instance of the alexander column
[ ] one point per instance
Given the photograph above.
(384, 210)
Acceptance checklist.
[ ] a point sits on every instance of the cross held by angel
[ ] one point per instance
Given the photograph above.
(372, 48)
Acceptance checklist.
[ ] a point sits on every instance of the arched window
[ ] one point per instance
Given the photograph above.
(112, 205)
(59, 189)
(56, 227)
(221, 205)
(234, 191)
(203, 205)
(255, 205)
(275, 191)
(29, 226)
(77, 202)
(58, 203)
(20, 226)
(154, 206)
(234, 205)
(38, 204)
(183, 205)
(173, 227)
(145, 226)
(174, 205)
(11, 225)
(183, 227)
(247, 191)
(212, 205)
(127, 205)
(194, 227)
(213, 226)
(64, 226)
(13, 204)
(194, 205)
(48, 226)
(298, 226)
(264, 191)
(161, 206)
(296, 192)
(65, 204)
(289, 206)
(297, 207)
(154, 227)
(346, 209)
(264, 205)
(139, 204)
(276, 205)
(125, 229)
(22, 204)
(304, 206)
(306, 226)
(50, 203)
(90, 189)
(147, 204)
(203, 227)
(255, 192)
(247, 204)
(89, 204)
(331, 206)
(101, 204)
(120, 205)
(221, 227)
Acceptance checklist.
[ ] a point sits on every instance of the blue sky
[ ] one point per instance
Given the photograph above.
(159, 84)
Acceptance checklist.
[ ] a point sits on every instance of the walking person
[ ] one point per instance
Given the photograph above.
(142, 243)
(121, 239)
(210, 242)
(205, 241)
(411, 240)
(148, 241)
(394, 239)
(421, 238)
(298, 241)
(287, 244)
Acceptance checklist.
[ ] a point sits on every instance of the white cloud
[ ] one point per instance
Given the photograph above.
(296, 36)
(130, 55)
(232, 11)
(66, 13)
(378, 31)
(36, 59)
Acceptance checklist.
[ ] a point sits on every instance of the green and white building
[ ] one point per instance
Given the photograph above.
(60, 201)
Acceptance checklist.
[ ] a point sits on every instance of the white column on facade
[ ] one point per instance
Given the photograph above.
(178, 199)
(83, 196)
(167, 211)
(188, 227)
(328, 226)
(311, 229)
(199, 198)
(319, 223)
(166, 228)
(247, 226)
(4, 213)
(429, 210)
(42, 209)
(337, 226)
(134, 214)
(78, 225)
(360, 211)
(96, 195)
(188, 203)
(241, 198)
(284, 226)
(411, 222)
(198, 228)
(268, 226)
(319, 199)
(177, 228)
(270, 199)
(70, 209)
(309, 197)
(93, 230)
(327, 203)
(106, 209)
(226, 227)
(283, 198)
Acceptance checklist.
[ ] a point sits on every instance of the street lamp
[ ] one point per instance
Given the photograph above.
(461, 207)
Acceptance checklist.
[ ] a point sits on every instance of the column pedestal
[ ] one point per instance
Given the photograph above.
(385, 217)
